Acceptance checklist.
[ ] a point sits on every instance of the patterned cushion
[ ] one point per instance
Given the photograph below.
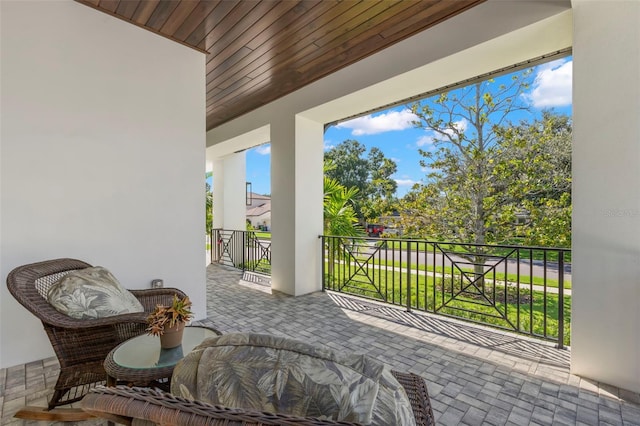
(92, 293)
(279, 375)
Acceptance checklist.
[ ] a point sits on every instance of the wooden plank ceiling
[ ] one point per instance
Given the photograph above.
(259, 51)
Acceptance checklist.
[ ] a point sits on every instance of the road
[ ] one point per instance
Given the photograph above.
(527, 268)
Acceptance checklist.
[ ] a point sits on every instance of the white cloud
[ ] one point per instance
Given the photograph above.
(405, 182)
(264, 149)
(552, 85)
(429, 138)
(424, 140)
(395, 160)
(370, 125)
(328, 145)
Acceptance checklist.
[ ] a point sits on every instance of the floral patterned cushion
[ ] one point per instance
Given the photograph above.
(92, 293)
(274, 374)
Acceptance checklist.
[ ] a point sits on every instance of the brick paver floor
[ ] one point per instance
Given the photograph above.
(475, 375)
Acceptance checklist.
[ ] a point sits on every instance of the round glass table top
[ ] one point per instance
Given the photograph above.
(145, 352)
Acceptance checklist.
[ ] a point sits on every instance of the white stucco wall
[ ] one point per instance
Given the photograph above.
(227, 161)
(605, 336)
(235, 192)
(309, 209)
(229, 192)
(102, 155)
(296, 207)
(217, 189)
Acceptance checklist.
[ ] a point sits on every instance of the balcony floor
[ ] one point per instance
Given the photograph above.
(475, 375)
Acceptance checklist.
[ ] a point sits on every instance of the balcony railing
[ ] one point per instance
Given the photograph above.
(517, 288)
(242, 250)
(521, 289)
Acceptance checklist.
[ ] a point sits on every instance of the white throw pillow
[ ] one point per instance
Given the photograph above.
(92, 293)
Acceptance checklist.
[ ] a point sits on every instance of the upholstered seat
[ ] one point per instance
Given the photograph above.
(267, 373)
(262, 379)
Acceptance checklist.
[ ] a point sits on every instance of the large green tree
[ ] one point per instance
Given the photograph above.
(460, 201)
(536, 168)
(491, 181)
(369, 172)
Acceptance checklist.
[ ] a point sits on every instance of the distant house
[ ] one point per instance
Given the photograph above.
(259, 211)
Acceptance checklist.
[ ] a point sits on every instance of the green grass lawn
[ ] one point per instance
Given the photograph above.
(263, 235)
(500, 276)
(263, 266)
(428, 294)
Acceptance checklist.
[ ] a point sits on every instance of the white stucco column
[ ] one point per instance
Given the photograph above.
(229, 187)
(217, 189)
(296, 204)
(605, 335)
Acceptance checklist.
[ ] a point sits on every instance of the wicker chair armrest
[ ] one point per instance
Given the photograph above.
(149, 298)
(58, 319)
(123, 404)
(416, 389)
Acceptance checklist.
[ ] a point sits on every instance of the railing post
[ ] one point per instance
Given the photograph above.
(215, 247)
(561, 299)
(322, 263)
(408, 274)
(243, 247)
(211, 247)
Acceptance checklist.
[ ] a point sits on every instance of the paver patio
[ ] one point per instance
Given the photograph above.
(475, 375)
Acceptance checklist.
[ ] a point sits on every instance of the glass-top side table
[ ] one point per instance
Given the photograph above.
(141, 360)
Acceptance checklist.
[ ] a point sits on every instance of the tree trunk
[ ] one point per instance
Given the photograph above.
(480, 238)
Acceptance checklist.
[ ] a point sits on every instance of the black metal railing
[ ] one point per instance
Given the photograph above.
(242, 250)
(522, 289)
(517, 288)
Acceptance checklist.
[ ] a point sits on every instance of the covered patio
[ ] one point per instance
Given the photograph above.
(107, 130)
(474, 375)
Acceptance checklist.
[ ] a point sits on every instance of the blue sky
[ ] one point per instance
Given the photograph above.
(392, 132)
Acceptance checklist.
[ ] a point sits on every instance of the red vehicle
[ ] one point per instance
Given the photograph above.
(375, 230)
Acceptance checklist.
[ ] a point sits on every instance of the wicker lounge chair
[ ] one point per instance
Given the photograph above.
(80, 345)
(124, 405)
